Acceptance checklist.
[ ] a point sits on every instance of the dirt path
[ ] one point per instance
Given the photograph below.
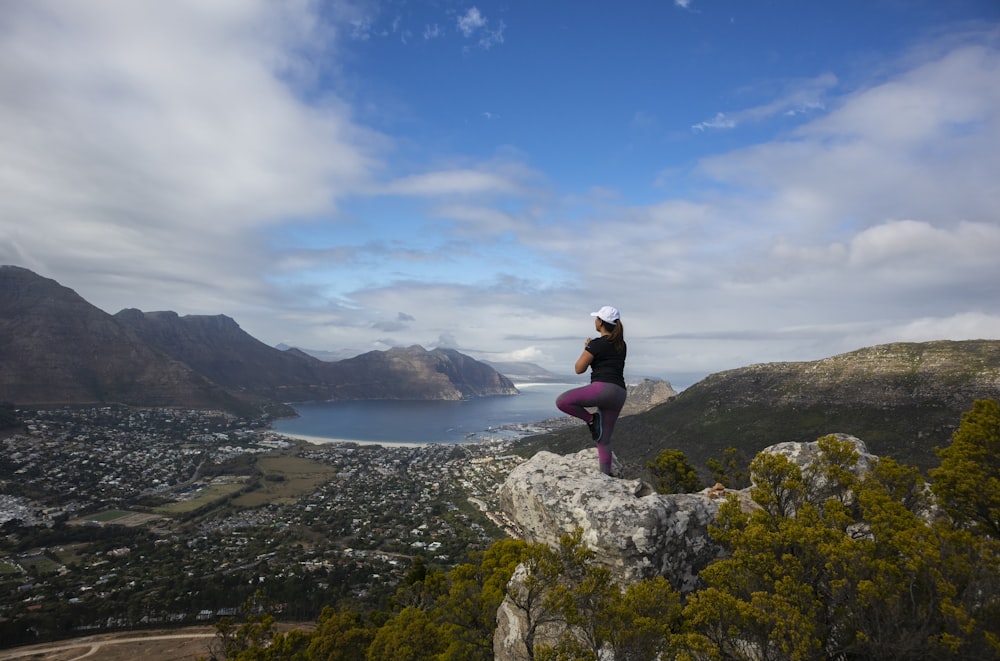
(187, 644)
(180, 645)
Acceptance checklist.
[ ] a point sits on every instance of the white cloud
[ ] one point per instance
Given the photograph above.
(720, 121)
(524, 355)
(832, 238)
(188, 160)
(471, 21)
(798, 97)
(484, 218)
(451, 182)
(473, 24)
(962, 326)
(939, 99)
(918, 244)
(854, 166)
(159, 135)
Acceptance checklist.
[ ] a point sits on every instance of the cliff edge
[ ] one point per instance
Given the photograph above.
(632, 530)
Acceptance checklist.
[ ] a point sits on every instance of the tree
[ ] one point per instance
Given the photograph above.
(340, 636)
(582, 598)
(833, 475)
(849, 570)
(967, 483)
(422, 587)
(673, 473)
(290, 646)
(597, 616)
(778, 485)
(497, 566)
(409, 636)
(528, 591)
(640, 623)
(467, 612)
(729, 470)
(242, 641)
(466, 617)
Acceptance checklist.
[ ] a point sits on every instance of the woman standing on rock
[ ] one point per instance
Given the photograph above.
(605, 356)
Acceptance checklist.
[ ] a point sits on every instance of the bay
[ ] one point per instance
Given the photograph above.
(394, 421)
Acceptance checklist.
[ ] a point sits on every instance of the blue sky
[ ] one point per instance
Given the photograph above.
(748, 181)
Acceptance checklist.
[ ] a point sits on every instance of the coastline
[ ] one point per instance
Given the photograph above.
(322, 440)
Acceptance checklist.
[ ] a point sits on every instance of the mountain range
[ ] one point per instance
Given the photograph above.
(56, 348)
(902, 399)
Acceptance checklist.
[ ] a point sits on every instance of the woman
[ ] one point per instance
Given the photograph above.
(605, 356)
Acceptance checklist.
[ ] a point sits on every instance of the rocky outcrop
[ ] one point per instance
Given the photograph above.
(646, 394)
(806, 455)
(630, 529)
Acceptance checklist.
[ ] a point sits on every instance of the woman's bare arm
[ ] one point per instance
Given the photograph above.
(583, 362)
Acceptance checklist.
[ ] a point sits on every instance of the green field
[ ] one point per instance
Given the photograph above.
(285, 479)
(110, 515)
(206, 496)
(280, 479)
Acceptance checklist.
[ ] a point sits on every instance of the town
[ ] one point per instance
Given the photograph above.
(114, 517)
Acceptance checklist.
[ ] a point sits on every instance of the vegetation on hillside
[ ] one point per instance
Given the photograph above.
(829, 565)
(903, 399)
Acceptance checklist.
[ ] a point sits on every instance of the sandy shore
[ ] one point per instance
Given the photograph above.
(321, 440)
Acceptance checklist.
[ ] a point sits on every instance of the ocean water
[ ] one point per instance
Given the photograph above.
(391, 421)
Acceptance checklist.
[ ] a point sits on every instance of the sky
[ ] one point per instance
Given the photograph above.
(748, 181)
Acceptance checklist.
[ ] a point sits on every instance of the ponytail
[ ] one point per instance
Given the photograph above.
(616, 334)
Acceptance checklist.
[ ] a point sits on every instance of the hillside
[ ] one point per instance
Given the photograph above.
(902, 399)
(218, 348)
(415, 373)
(56, 348)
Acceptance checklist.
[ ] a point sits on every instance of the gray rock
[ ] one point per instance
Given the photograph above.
(818, 486)
(805, 455)
(646, 394)
(631, 529)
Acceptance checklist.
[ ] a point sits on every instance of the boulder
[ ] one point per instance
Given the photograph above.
(631, 529)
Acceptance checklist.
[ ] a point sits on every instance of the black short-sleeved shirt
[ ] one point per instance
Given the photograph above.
(608, 365)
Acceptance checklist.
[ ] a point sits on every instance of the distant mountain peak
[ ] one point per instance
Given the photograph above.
(55, 347)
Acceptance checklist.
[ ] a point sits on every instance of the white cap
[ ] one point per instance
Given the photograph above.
(607, 313)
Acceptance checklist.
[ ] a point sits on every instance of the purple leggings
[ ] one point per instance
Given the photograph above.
(609, 400)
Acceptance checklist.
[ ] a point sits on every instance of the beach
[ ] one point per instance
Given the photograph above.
(320, 440)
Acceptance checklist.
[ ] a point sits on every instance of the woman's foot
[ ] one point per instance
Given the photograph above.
(595, 426)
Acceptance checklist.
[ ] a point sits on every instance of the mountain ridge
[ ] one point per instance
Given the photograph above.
(902, 399)
(56, 348)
